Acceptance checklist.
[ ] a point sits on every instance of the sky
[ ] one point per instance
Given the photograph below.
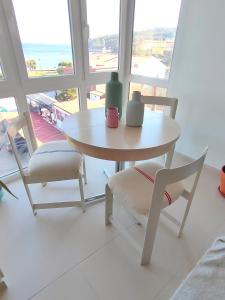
(47, 21)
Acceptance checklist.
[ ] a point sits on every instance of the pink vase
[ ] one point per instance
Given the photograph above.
(112, 117)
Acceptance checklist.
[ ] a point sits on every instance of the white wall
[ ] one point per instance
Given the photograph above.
(198, 79)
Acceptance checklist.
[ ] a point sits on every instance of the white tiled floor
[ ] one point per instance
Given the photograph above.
(65, 254)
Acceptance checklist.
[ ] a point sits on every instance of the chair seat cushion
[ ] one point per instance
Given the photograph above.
(134, 187)
(54, 161)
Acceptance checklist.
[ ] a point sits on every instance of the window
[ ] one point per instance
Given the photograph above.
(96, 96)
(44, 29)
(103, 20)
(48, 110)
(55, 47)
(8, 111)
(154, 33)
(148, 90)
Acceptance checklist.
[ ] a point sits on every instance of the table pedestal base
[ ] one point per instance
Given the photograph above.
(119, 166)
(94, 199)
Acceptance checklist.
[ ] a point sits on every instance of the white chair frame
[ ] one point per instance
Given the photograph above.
(164, 101)
(167, 102)
(162, 179)
(24, 122)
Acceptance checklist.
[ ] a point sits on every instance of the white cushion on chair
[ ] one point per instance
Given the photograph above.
(54, 161)
(135, 190)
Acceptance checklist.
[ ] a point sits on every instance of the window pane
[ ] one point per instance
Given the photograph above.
(155, 26)
(148, 90)
(96, 96)
(1, 73)
(48, 110)
(45, 35)
(103, 20)
(8, 111)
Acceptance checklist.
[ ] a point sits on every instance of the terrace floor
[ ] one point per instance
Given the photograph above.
(65, 254)
(45, 132)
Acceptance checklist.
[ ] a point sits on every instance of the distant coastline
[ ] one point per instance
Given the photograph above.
(47, 56)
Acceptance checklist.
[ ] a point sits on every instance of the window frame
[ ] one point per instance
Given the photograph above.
(17, 84)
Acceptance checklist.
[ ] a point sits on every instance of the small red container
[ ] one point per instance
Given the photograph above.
(112, 117)
(221, 187)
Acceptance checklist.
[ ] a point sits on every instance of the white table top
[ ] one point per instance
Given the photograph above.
(88, 132)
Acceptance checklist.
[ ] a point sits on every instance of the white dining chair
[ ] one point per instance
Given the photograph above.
(147, 189)
(52, 161)
(169, 102)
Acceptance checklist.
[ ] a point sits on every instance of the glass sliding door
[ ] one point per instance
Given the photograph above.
(8, 111)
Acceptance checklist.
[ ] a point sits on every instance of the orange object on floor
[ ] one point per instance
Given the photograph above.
(221, 187)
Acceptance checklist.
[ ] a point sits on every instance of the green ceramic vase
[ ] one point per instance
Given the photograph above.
(114, 93)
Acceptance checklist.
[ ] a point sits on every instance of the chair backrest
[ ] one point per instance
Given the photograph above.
(168, 176)
(164, 101)
(19, 123)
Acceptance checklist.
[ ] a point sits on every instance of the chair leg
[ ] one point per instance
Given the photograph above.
(108, 204)
(82, 194)
(150, 236)
(184, 218)
(30, 198)
(84, 171)
(169, 157)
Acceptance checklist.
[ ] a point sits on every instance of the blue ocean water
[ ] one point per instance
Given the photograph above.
(47, 56)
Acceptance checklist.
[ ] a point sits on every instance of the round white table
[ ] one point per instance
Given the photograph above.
(88, 132)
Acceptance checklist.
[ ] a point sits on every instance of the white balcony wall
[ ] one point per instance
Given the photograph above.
(198, 79)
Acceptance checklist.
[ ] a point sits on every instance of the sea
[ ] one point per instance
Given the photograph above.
(47, 56)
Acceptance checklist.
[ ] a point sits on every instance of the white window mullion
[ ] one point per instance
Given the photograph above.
(76, 37)
(126, 39)
(13, 83)
(85, 36)
(44, 84)
(173, 66)
(83, 96)
(78, 19)
(15, 39)
(98, 78)
(16, 84)
(9, 85)
(126, 35)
